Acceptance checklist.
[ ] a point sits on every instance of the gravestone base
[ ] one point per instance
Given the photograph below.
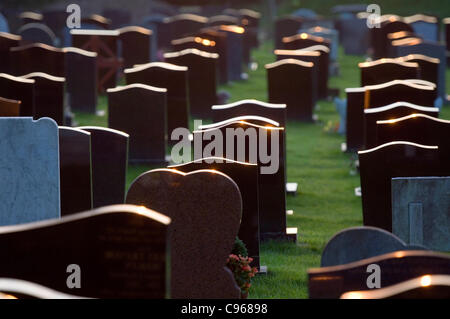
(290, 235)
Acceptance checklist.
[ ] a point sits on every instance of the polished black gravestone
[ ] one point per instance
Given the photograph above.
(7, 41)
(379, 39)
(109, 155)
(81, 79)
(202, 78)
(95, 21)
(37, 57)
(172, 77)
(17, 88)
(372, 241)
(385, 70)
(429, 67)
(331, 282)
(121, 252)
(417, 92)
(396, 159)
(135, 45)
(75, 170)
(48, 96)
(36, 33)
(354, 131)
(245, 175)
(292, 82)
(417, 128)
(205, 208)
(387, 112)
(244, 141)
(285, 27)
(304, 40)
(183, 25)
(140, 111)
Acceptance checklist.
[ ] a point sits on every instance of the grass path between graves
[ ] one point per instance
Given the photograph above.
(325, 204)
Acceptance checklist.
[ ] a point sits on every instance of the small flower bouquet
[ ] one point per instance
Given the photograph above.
(243, 273)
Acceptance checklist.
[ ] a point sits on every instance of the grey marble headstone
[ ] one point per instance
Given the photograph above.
(29, 170)
(4, 27)
(357, 243)
(421, 211)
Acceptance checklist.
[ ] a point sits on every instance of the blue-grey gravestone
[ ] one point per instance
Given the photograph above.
(354, 35)
(4, 27)
(357, 243)
(29, 170)
(421, 211)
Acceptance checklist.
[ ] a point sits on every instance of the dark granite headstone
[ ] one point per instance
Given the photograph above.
(9, 107)
(304, 40)
(205, 208)
(423, 287)
(48, 96)
(140, 111)
(172, 77)
(7, 41)
(285, 27)
(417, 128)
(250, 136)
(379, 41)
(121, 252)
(396, 267)
(56, 20)
(135, 44)
(385, 70)
(105, 44)
(95, 22)
(417, 92)
(429, 67)
(245, 175)
(183, 25)
(218, 43)
(355, 119)
(37, 57)
(357, 243)
(75, 170)
(396, 159)
(109, 154)
(354, 35)
(387, 112)
(17, 88)
(81, 78)
(202, 78)
(323, 69)
(292, 82)
(427, 27)
(36, 33)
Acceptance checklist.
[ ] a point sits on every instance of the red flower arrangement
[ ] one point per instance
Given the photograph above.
(243, 273)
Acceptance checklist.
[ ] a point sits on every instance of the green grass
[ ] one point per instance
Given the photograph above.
(325, 204)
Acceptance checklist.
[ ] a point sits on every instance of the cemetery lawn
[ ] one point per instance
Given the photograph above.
(325, 203)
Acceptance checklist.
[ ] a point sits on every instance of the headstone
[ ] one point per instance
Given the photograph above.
(245, 175)
(379, 41)
(205, 222)
(202, 79)
(418, 92)
(423, 287)
(105, 44)
(17, 88)
(30, 17)
(429, 67)
(385, 70)
(397, 159)
(172, 77)
(119, 17)
(292, 82)
(371, 242)
(354, 36)
(81, 78)
(183, 25)
(118, 251)
(391, 111)
(4, 26)
(286, 27)
(135, 45)
(332, 282)
(56, 20)
(243, 140)
(223, 19)
(421, 211)
(109, 154)
(161, 35)
(140, 111)
(7, 41)
(431, 49)
(330, 34)
(427, 27)
(95, 22)
(36, 33)
(323, 68)
(48, 96)
(354, 131)
(75, 170)
(9, 108)
(418, 128)
(304, 40)
(30, 173)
